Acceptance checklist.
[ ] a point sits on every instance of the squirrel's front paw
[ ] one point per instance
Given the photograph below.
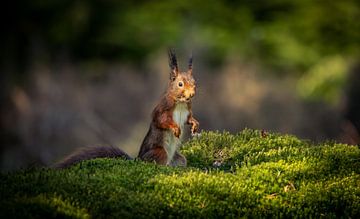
(176, 131)
(194, 126)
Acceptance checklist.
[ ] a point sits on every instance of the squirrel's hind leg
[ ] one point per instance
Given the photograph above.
(157, 154)
(178, 160)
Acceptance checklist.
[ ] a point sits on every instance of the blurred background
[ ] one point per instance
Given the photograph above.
(77, 73)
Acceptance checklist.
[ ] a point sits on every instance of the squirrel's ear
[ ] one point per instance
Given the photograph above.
(190, 63)
(173, 65)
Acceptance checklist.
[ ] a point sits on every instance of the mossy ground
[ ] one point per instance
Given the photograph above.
(249, 174)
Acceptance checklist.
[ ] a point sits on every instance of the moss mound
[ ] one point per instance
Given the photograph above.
(250, 174)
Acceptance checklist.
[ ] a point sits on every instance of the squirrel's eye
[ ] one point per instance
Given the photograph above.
(180, 84)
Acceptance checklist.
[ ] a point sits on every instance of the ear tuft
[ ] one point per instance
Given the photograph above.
(191, 63)
(173, 64)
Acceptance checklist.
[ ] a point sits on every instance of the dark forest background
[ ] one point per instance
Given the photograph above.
(79, 73)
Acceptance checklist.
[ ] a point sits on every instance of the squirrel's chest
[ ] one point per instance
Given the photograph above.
(180, 114)
(171, 143)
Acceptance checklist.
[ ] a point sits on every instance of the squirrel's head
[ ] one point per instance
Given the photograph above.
(182, 84)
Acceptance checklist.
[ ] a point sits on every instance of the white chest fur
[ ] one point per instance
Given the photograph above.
(180, 116)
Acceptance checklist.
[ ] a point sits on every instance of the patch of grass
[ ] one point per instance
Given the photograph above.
(249, 174)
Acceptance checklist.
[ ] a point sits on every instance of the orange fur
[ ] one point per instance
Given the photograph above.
(163, 116)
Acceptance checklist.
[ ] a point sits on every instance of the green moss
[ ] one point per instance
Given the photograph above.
(244, 175)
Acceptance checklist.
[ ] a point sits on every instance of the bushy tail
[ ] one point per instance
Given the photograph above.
(91, 153)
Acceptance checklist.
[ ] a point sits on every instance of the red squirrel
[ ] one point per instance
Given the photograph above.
(162, 141)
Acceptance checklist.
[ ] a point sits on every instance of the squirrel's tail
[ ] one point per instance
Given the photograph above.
(91, 153)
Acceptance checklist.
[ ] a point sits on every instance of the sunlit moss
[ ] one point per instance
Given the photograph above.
(249, 174)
